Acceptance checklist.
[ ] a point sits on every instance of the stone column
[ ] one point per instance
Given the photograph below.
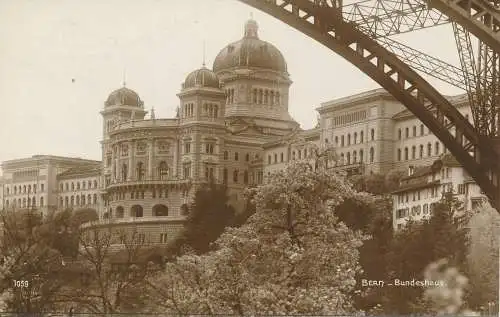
(150, 158)
(130, 161)
(177, 154)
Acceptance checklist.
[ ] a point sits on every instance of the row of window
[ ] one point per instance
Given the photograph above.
(348, 140)
(188, 110)
(266, 97)
(25, 189)
(162, 171)
(405, 153)
(346, 159)
(211, 110)
(237, 156)
(158, 210)
(256, 177)
(229, 95)
(348, 118)
(433, 192)
(421, 130)
(24, 203)
(415, 210)
(78, 200)
(79, 185)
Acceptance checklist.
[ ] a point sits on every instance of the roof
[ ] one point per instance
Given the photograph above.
(84, 170)
(457, 101)
(379, 93)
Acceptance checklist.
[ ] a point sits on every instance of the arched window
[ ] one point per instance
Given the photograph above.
(95, 199)
(83, 200)
(429, 149)
(342, 159)
(160, 211)
(245, 177)
(348, 139)
(72, 200)
(436, 148)
(15, 190)
(29, 188)
(421, 151)
(271, 98)
(413, 152)
(66, 201)
(342, 141)
(124, 172)
(24, 202)
(414, 131)
(41, 201)
(119, 212)
(224, 176)
(163, 170)
(399, 154)
(421, 129)
(372, 154)
(140, 171)
(89, 199)
(361, 156)
(78, 200)
(354, 157)
(372, 132)
(33, 201)
(407, 133)
(72, 186)
(78, 186)
(24, 189)
(226, 155)
(235, 176)
(406, 154)
(361, 137)
(136, 211)
(355, 137)
(348, 158)
(399, 134)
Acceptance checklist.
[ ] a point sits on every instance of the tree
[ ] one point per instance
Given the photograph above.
(210, 214)
(419, 244)
(482, 256)
(292, 256)
(115, 281)
(31, 261)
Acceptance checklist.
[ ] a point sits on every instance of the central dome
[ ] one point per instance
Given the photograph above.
(250, 51)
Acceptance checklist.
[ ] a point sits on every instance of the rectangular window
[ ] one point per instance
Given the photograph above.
(187, 148)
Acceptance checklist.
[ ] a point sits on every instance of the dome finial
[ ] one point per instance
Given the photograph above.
(251, 28)
(124, 79)
(203, 54)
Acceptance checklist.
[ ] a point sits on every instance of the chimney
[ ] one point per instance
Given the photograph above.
(411, 170)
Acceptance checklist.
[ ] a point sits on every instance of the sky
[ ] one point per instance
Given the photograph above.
(153, 45)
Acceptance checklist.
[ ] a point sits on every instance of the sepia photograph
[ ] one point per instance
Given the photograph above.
(249, 158)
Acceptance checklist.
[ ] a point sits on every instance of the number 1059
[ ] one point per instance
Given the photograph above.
(20, 283)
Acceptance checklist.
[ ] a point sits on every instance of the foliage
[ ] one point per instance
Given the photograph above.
(446, 299)
(417, 245)
(377, 184)
(209, 215)
(482, 256)
(292, 256)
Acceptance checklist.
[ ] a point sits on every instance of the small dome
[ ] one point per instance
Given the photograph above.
(125, 97)
(202, 77)
(250, 51)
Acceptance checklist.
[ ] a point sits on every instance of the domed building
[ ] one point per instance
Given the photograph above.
(153, 166)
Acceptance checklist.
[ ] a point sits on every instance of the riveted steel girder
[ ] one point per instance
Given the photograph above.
(322, 21)
(479, 17)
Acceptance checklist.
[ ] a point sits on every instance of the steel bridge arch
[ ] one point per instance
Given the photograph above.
(325, 24)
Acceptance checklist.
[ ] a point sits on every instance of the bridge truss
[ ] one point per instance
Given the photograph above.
(361, 33)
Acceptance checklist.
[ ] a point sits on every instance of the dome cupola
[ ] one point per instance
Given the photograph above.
(202, 77)
(124, 97)
(250, 52)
